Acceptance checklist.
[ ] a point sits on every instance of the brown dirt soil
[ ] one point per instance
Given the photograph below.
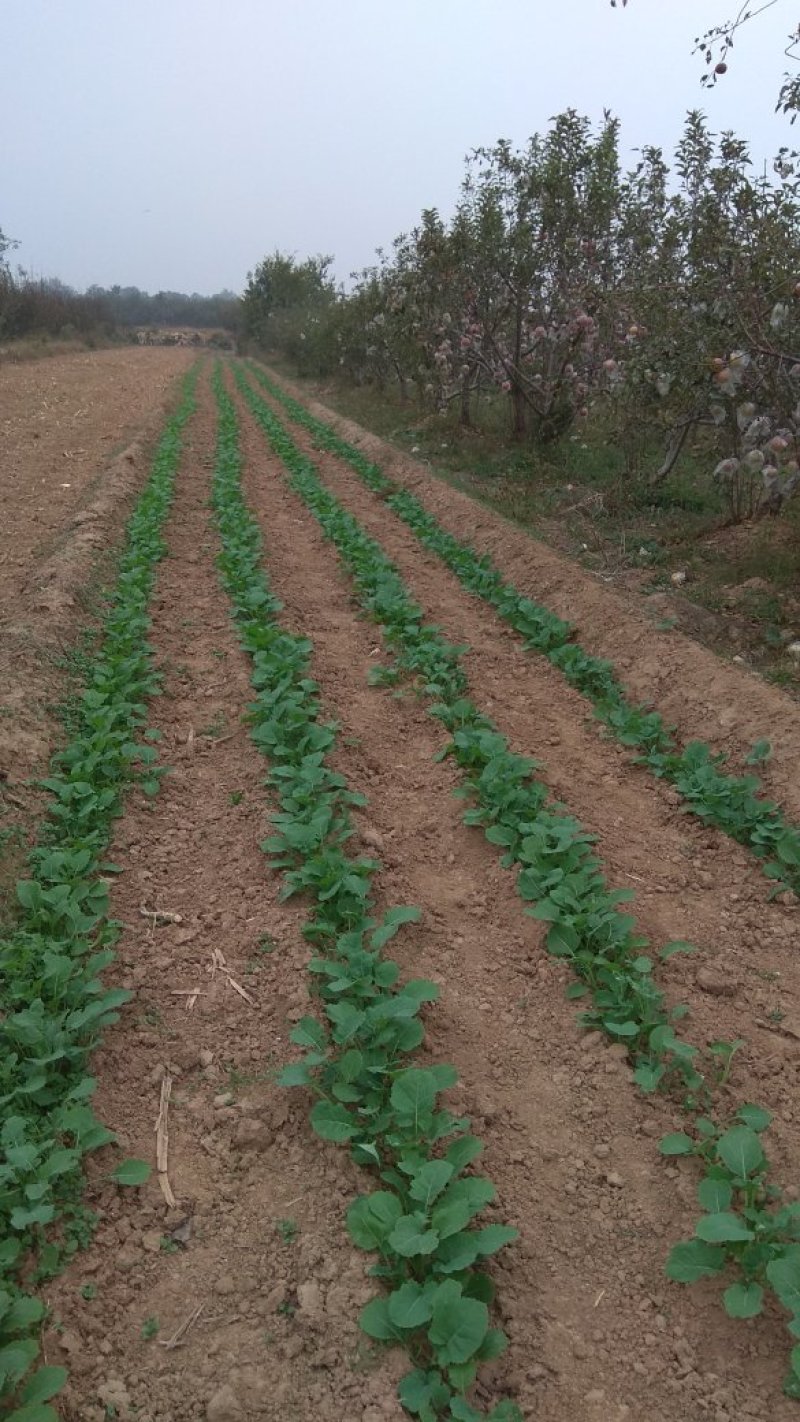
(278, 1334)
(76, 433)
(596, 1330)
(597, 1333)
(725, 704)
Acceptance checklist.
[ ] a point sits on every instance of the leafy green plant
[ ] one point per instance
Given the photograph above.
(150, 1328)
(53, 1003)
(550, 850)
(287, 1230)
(731, 803)
(744, 1230)
(355, 1060)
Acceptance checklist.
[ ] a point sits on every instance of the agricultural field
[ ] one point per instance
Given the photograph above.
(400, 995)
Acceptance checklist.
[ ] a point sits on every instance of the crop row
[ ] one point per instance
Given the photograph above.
(732, 803)
(356, 1053)
(53, 1003)
(744, 1226)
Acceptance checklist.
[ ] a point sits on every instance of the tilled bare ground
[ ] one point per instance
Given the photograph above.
(596, 1330)
(76, 433)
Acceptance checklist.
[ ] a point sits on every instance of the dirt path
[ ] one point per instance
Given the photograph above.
(596, 1331)
(704, 697)
(267, 1255)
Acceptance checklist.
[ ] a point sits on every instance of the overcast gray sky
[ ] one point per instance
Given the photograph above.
(172, 143)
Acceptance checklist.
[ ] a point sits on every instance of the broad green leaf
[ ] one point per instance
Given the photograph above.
(295, 1074)
(495, 1236)
(676, 1144)
(23, 1312)
(788, 847)
(458, 1324)
(725, 1227)
(494, 1345)
(16, 1357)
(714, 1195)
(333, 1123)
(371, 1218)
(409, 1306)
(132, 1172)
(743, 1300)
(784, 1276)
(413, 1095)
(462, 1151)
(460, 1409)
(740, 1149)
(44, 1384)
(648, 1077)
(33, 1412)
(421, 990)
(391, 922)
(678, 945)
(505, 1411)
(423, 1390)
(562, 940)
(309, 1033)
(754, 1116)
(693, 1260)
(457, 1252)
(375, 1320)
(413, 1236)
(621, 1029)
(430, 1181)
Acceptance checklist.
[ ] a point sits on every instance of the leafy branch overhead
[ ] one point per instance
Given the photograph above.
(718, 42)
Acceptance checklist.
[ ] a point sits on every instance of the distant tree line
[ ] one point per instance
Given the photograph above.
(32, 305)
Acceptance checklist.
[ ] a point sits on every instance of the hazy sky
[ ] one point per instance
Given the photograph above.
(172, 143)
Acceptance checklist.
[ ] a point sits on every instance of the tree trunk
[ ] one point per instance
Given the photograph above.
(520, 412)
(517, 396)
(466, 402)
(676, 443)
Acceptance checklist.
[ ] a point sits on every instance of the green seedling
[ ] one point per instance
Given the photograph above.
(89, 1292)
(150, 1328)
(723, 1054)
(556, 870)
(355, 1060)
(54, 1004)
(288, 1230)
(745, 1231)
(216, 726)
(236, 797)
(733, 804)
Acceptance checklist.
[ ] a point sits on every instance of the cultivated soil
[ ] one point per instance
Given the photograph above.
(254, 1258)
(75, 439)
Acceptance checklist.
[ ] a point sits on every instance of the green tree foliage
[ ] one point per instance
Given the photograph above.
(661, 305)
(46, 306)
(286, 305)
